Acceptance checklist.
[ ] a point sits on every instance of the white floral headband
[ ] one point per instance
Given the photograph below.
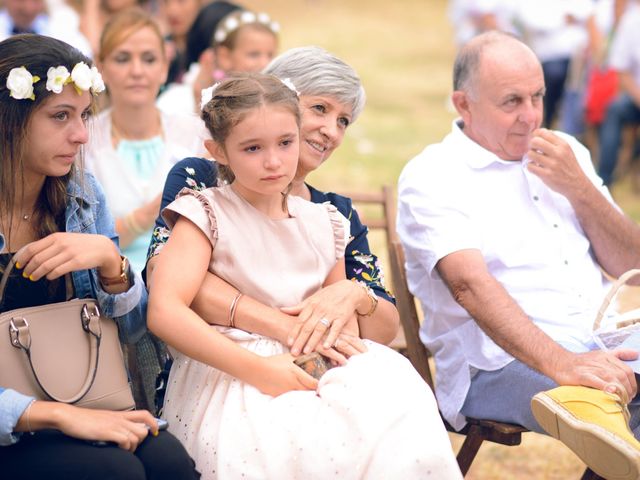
(20, 81)
(234, 22)
(207, 93)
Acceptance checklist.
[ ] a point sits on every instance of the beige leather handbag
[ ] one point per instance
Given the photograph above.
(67, 352)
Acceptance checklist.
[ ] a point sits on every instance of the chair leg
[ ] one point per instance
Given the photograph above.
(469, 448)
(590, 475)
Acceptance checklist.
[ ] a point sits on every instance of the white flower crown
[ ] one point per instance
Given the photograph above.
(207, 93)
(20, 81)
(234, 22)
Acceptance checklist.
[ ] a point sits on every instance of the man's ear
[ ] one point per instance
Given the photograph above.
(216, 151)
(461, 102)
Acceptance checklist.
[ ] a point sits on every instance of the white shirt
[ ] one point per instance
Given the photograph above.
(58, 25)
(625, 50)
(456, 195)
(178, 97)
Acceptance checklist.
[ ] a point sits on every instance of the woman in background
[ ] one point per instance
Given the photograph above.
(134, 146)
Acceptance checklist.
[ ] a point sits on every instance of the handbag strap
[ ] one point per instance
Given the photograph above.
(90, 321)
(5, 276)
(68, 281)
(624, 278)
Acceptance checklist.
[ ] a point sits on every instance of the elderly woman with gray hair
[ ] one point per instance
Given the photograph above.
(333, 319)
(374, 417)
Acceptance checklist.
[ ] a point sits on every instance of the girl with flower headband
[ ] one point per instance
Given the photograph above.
(243, 41)
(54, 221)
(235, 398)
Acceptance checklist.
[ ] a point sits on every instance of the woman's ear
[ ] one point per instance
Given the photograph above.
(216, 151)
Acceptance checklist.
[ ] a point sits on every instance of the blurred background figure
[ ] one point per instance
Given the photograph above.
(243, 41)
(95, 13)
(624, 110)
(472, 17)
(557, 32)
(178, 16)
(600, 80)
(198, 44)
(134, 144)
(133, 148)
(53, 19)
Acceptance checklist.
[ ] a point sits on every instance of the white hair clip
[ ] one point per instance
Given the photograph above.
(207, 94)
(289, 84)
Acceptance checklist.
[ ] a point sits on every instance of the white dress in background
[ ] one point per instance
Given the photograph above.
(374, 418)
(182, 136)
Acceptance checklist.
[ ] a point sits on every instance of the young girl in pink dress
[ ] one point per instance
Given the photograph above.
(235, 399)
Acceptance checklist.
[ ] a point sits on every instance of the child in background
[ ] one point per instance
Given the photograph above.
(235, 399)
(243, 41)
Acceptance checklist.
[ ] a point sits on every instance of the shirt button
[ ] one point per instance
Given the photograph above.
(535, 197)
(566, 262)
(555, 225)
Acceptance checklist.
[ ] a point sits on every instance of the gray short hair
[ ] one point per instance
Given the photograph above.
(314, 71)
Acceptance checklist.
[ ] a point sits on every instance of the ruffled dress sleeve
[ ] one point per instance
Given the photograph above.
(341, 228)
(196, 206)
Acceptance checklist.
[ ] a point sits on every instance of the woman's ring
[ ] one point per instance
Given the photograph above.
(324, 321)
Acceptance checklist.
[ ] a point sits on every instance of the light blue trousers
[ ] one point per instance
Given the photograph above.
(505, 395)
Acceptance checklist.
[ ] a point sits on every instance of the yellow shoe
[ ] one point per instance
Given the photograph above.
(594, 425)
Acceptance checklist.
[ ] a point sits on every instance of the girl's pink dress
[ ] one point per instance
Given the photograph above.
(374, 418)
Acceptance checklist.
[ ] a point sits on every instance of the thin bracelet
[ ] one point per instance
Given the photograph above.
(373, 298)
(28, 416)
(232, 310)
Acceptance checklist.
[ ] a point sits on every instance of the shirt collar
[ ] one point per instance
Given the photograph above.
(476, 156)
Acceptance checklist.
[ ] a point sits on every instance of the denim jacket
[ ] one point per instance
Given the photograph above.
(86, 212)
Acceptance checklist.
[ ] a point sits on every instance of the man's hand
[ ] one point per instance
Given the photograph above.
(553, 160)
(598, 369)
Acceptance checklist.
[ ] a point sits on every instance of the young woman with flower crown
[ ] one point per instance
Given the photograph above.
(53, 217)
(237, 401)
